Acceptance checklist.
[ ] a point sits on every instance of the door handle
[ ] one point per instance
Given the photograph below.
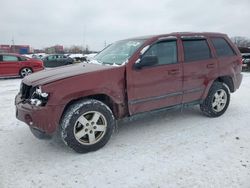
(211, 66)
(174, 72)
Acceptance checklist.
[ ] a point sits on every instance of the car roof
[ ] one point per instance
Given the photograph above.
(53, 54)
(10, 54)
(175, 34)
(14, 54)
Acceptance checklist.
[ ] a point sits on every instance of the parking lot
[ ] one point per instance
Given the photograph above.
(168, 149)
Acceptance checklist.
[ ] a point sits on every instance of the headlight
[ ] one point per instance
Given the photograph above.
(38, 97)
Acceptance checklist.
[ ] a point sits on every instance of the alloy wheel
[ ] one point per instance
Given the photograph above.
(219, 100)
(90, 128)
(25, 72)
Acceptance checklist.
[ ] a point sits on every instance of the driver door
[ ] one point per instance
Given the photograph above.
(156, 86)
(9, 65)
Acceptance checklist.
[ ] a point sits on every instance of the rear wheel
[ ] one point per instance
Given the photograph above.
(25, 72)
(87, 125)
(217, 100)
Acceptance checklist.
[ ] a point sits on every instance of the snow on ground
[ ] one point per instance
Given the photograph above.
(169, 149)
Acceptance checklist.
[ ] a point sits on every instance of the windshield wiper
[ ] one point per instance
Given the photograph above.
(107, 63)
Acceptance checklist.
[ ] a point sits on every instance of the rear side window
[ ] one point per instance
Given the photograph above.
(222, 47)
(9, 58)
(196, 50)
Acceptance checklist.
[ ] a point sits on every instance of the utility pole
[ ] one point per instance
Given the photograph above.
(84, 38)
(13, 44)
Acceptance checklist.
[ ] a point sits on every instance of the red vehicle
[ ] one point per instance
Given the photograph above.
(12, 65)
(131, 76)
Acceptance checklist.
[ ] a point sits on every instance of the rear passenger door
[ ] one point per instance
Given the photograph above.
(62, 60)
(199, 67)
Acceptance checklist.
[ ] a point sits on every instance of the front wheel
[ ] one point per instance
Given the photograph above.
(87, 125)
(217, 100)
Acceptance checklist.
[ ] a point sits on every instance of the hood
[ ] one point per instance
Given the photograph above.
(55, 74)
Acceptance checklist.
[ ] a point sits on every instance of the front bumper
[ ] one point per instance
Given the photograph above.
(44, 118)
(36, 69)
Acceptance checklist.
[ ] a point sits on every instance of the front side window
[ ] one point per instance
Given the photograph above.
(196, 50)
(222, 47)
(51, 58)
(9, 58)
(119, 52)
(165, 51)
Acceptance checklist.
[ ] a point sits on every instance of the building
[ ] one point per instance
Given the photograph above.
(20, 49)
(5, 48)
(36, 51)
(57, 49)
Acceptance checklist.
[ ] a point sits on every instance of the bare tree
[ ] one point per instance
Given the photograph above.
(241, 41)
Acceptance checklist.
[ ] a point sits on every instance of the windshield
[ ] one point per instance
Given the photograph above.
(119, 52)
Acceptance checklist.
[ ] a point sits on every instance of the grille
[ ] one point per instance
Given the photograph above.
(26, 91)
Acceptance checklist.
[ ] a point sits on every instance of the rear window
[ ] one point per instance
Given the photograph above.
(243, 56)
(222, 47)
(196, 50)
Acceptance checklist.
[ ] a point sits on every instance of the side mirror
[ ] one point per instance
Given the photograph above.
(146, 61)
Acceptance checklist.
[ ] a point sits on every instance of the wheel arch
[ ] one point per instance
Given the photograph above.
(117, 109)
(223, 79)
(228, 81)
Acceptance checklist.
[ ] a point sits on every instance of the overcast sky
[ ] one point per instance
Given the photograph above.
(42, 23)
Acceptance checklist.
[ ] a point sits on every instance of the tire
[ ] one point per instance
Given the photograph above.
(39, 134)
(87, 125)
(25, 72)
(217, 100)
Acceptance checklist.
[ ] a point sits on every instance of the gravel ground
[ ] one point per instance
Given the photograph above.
(168, 149)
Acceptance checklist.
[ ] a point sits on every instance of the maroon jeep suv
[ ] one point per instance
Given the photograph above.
(131, 76)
